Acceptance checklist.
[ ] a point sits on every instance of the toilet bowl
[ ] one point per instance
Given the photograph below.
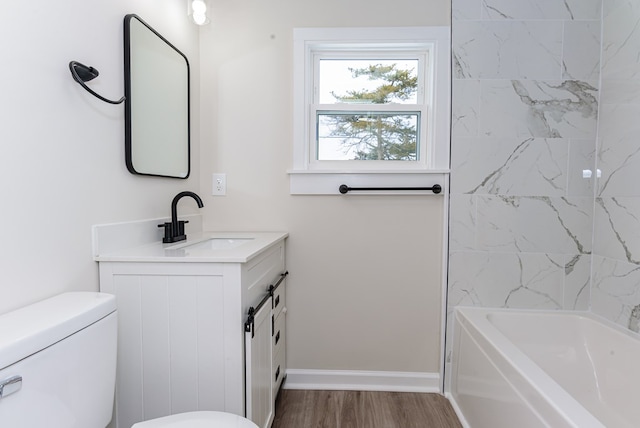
(198, 420)
(58, 368)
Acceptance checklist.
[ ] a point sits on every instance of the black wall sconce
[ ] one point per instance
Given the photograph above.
(82, 73)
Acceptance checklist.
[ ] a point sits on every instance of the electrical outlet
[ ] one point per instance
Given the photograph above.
(219, 184)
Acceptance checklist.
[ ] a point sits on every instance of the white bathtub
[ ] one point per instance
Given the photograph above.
(513, 368)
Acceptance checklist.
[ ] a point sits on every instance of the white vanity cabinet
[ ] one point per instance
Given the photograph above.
(181, 333)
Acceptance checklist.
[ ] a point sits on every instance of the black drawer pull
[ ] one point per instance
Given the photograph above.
(277, 337)
(277, 373)
(277, 301)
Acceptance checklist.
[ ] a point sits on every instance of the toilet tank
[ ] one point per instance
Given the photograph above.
(64, 349)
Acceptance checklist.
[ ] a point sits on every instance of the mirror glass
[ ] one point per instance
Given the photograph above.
(157, 103)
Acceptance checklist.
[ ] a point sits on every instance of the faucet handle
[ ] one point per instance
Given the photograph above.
(168, 232)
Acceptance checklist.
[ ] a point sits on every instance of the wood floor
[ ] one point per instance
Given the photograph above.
(362, 409)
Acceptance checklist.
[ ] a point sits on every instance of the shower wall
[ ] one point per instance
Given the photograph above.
(525, 107)
(615, 290)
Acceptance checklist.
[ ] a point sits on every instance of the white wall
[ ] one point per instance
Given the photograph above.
(62, 162)
(364, 291)
(365, 286)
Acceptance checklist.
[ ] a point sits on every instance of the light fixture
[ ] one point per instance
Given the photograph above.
(199, 11)
(82, 73)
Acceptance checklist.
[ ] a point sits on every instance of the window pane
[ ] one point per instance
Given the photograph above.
(368, 136)
(370, 81)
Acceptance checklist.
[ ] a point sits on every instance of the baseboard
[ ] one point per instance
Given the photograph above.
(362, 380)
(457, 409)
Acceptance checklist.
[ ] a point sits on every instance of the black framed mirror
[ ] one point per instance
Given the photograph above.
(157, 114)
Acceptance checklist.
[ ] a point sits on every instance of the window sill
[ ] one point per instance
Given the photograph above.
(312, 182)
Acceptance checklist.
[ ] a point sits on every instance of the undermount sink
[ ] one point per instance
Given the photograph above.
(215, 244)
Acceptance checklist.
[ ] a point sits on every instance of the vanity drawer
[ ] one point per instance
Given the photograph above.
(260, 274)
(279, 332)
(279, 299)
(278, 341)
(279, 367)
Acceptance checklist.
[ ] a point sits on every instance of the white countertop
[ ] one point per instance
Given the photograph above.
(181, 252)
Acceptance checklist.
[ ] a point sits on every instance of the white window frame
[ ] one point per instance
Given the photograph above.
(310, 176)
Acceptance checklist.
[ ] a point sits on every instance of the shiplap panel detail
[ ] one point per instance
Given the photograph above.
(129, 376)
(171, 344)
(183, 339)
(211, 366)
(156, 383)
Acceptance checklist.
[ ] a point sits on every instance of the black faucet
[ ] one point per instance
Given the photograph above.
(174, 231)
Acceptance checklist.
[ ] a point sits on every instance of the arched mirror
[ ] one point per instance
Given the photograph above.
(157, 103)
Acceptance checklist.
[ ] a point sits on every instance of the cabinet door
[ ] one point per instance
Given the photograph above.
(259, 362)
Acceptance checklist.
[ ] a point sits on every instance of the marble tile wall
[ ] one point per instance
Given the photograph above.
(524, 127)
(616, 261)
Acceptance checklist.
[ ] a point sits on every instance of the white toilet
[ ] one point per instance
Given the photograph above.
(58, 368)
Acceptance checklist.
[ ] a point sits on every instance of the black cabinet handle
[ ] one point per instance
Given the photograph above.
(277, 337)
(277, 302)
(277, 373)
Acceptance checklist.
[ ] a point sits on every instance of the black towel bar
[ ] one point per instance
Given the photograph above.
(436, 188)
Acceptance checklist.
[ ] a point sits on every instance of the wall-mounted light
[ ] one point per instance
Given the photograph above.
(83, 73)
(199, 11)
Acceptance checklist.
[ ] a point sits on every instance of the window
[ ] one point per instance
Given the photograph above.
(368, 109)
(369, 101)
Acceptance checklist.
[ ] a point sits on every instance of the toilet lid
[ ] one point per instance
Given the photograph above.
(198, 420)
